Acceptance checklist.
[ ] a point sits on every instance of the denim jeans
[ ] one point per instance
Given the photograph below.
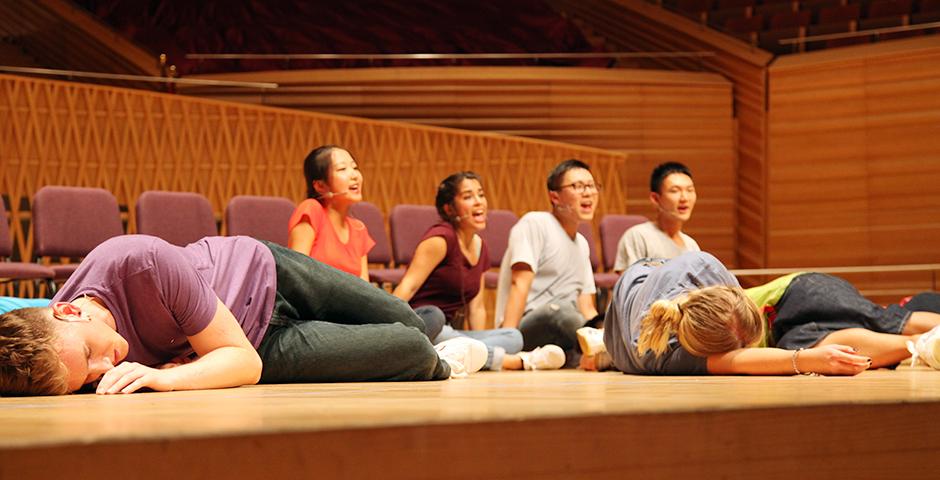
(330, 326)
(555, 323)
(816, 304)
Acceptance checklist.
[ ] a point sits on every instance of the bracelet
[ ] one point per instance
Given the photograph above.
(796, 353)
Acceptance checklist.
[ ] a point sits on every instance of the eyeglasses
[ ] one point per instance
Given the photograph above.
(580, 188)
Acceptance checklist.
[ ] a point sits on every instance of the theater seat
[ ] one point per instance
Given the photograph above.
(180, 218)
(496, 235)
(69, 222)
(264, 218)
(11, 271)
(381, 253)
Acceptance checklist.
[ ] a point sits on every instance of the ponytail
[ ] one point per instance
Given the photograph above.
(660, 323)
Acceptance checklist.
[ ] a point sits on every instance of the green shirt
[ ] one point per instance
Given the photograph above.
(766, 297)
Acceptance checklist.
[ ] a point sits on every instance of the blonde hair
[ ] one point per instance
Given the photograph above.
(707, 321)
(29, 360)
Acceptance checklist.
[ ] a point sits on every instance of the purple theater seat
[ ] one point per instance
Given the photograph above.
(12, 271)
(264, 218)
(496, 236)
(179, 218)
(381, 253)
(408, 224)
(72, 221)
(612, 228)
(602, 280)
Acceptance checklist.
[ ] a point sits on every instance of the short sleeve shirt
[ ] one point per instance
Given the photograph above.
(561, 264)
(640, 286)
(159, 293)
(327, 246)
(646, 240)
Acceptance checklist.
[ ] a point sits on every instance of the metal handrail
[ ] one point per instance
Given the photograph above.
(859, 33)
(439, 56)
(139, 78)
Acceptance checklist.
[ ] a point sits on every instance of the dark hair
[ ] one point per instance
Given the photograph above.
(557, 173)
(317, 167)
(664, 170)
(447, 191)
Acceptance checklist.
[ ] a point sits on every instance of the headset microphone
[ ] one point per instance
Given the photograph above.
(335, 194)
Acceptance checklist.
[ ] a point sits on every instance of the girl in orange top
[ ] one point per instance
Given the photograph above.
(321, 226)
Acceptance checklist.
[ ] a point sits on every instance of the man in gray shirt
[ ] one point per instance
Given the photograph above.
(546, 284)
(672, 192)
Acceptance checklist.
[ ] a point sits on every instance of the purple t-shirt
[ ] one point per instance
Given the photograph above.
(159, 293)
(453, 282)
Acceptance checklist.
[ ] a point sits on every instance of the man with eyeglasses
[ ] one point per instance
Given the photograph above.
(672, 192)
(546, 283)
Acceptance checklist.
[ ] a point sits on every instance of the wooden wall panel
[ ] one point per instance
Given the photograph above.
(637, 25)
(651, 116)
(854, 156)
(130, 141)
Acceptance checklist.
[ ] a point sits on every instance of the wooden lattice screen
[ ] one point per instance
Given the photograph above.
(130, 141)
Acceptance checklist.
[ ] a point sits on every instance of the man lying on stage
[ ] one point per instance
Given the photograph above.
(221, 312)
(688, 316)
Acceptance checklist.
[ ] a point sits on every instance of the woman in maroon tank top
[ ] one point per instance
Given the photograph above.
(446, 278)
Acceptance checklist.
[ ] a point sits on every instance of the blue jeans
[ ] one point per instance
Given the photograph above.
(554, 323)
(498, 341)
(330, 326)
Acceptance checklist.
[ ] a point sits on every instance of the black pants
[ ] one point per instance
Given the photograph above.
(330, 326)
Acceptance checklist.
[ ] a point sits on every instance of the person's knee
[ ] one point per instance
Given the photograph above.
(403, 313)
(552, 323)
(511, 340)
(433, 320)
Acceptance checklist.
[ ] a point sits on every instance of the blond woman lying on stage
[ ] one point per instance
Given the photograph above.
(689, 316)
(221, 312)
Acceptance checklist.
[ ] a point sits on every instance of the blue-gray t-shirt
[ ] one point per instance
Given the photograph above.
(641, 285)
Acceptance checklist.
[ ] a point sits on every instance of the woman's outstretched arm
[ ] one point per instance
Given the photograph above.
(826, 360)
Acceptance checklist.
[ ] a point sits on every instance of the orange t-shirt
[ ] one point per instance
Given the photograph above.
(327, 246)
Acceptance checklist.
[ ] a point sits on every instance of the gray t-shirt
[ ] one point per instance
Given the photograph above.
(640, 286)
(159, 293)
(562, 265)
(646, 240)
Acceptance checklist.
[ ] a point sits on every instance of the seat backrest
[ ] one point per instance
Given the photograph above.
(371, 216)
(496, 234)
(264, 218)
(612, 228)
(408, 223)
(6, 243)
(587, 230)
(72, 221)
(180, 218)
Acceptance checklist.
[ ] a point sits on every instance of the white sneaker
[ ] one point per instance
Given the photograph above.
(591, 341)
(926, 349)
(464, 355)
(546, 357)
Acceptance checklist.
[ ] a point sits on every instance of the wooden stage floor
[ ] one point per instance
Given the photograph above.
(563, 424)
